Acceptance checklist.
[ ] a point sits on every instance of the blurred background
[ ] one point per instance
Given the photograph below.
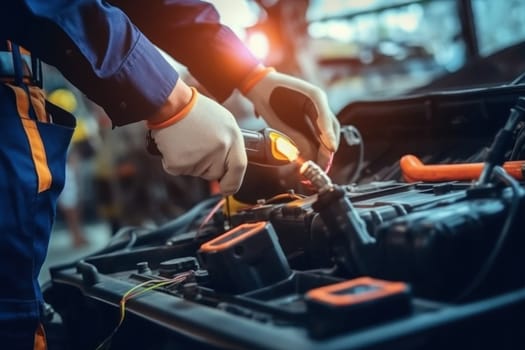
(353, 49)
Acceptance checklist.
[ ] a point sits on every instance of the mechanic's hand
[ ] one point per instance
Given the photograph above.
(296, 108)
(202, 140)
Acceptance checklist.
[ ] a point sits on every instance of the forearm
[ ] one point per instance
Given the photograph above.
(191, 32)
(99, 50)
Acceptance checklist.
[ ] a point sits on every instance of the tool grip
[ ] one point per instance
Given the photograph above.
(255, 145)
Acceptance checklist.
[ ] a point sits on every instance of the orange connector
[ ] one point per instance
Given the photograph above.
(414, 170)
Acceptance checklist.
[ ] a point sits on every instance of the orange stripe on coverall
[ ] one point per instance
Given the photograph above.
(40, 339)
(38, 152)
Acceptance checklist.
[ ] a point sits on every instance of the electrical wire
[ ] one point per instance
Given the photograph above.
(132, 240)
(228, 221)
(283, 196)
(353, 137)
(502, 141)
(518, 145)
(185, 221)
(134, 292)
(127, 230)
(180, 224)
(520, 79)
(360, 160)
(208, 217)
(503, 176)
(278, 197)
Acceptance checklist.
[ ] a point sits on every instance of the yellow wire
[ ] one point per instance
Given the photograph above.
(128, 295)
(283, 196)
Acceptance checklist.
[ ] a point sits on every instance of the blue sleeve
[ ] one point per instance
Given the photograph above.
(191, 32)
(98, 49)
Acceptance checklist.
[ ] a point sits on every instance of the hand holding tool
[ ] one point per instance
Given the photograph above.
(297, 108)
(266, 148)
(205, 142)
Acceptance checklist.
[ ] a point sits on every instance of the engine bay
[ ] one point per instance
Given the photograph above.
(362, 257)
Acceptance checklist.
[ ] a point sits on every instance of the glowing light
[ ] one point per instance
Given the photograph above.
(259, 45)
(236, 14)
(283, 148)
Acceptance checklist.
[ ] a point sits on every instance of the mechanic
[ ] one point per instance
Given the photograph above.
(190, 32)
(106, 56)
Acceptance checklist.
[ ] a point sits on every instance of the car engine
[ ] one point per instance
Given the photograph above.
(374, 254)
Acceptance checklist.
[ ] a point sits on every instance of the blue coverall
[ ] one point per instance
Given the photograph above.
(97, 47)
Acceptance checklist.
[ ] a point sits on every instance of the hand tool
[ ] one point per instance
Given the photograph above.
(267, 147)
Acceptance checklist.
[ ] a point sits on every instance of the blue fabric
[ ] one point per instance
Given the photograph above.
(26, 220)
(191, 32)
(98, 48)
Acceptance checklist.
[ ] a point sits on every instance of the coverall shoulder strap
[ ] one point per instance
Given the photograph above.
(19, 76)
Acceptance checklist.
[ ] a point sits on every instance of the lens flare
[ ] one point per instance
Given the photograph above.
(259, 45)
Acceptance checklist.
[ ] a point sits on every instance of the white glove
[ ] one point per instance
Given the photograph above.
(299, 110)
(206, 142)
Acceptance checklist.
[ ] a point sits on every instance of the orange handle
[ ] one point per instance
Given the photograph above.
(414, 170)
